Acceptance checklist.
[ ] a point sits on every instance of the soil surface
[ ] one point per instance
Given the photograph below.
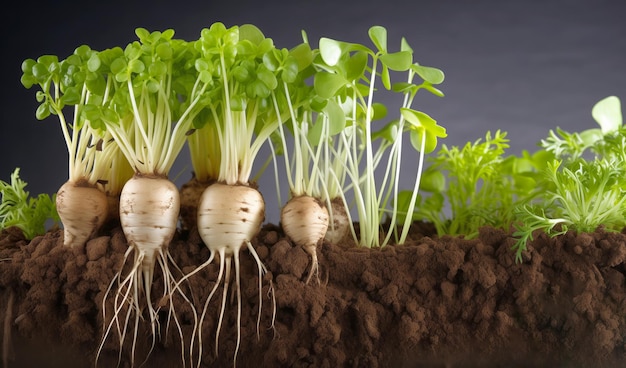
(433, 302)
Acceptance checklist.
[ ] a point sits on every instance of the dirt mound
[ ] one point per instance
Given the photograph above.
(432, 302)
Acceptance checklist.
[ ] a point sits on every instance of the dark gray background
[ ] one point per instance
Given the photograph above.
(523, 67)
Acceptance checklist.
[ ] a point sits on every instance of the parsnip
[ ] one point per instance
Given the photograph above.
(82, 208)
(305, 220)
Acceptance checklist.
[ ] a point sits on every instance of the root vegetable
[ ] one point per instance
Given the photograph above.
(305, 220)
(149, 208)
(229, 217)
(82, 208)
(339, 225)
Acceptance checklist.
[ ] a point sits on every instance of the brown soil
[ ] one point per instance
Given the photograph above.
(440, 302)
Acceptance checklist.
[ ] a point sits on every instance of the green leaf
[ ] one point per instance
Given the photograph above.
(398, 61)
(385, 78)
(435, 91)
(378, 35)
(94, 62)
(429, 74)
(389, 132)
(404, 45)
(331, 50)
(608, 113)
(336, 117)
(290, 70)
(238, 103)
(433, 181)
(157, 69)
(43, 111)
(271, 61)
(328, 84)
(355, 66)
(252, 33)
(423, 129)
(379, 111)
(267, 77)
(404, 87)
(302, 55)
(314, 134)
(164, 51)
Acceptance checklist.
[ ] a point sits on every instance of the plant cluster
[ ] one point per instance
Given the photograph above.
(583, 186)
(573, 182)
(127, 112)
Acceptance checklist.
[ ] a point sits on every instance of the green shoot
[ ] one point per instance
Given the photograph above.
(67, 86)
(581, 194)
(348, 72)
(17, 208)
(143, 102)
(586, 194)
(477, 190)
(571, 146)
(248, 75)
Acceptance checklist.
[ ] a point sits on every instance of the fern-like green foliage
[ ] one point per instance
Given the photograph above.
(585, 195)
(584, 182)
(478, 184)
(29, 214)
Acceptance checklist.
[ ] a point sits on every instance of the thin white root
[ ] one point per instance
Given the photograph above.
(305, 221)
(82, 209)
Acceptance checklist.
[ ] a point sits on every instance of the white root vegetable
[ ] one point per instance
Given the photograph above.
(340, 224)
(305, 220)
(229, 217)
(149, 208)
(82, 208)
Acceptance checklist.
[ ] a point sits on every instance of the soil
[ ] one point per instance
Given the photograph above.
(433, 302)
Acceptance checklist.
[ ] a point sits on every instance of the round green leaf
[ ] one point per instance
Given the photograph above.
(330, 50)
(327, 84)
(378, 35)
(429, 74)
(398, 61)
(336, 117)
(608, 113)
(433, 181)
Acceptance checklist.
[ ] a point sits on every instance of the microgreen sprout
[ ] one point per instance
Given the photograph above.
(348, 72)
